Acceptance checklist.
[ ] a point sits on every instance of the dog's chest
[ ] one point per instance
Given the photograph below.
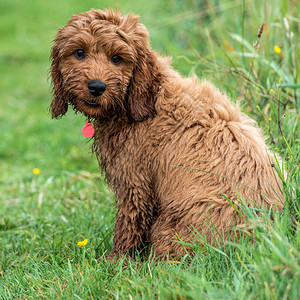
(122, 153)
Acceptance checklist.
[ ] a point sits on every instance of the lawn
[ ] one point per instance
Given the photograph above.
(52, 194)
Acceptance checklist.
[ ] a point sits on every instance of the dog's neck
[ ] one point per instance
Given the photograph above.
(109, 139)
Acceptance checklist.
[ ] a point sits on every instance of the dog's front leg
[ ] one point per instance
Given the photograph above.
(133, 221)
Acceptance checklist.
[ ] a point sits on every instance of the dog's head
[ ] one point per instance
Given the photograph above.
(102, 65)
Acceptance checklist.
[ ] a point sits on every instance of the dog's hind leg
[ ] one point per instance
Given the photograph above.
(164, 239)
(171, 235)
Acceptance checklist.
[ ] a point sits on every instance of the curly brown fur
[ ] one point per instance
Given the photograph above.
(170, 147)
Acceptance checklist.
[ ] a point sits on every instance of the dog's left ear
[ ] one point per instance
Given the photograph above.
(59, 104)
(146, 77)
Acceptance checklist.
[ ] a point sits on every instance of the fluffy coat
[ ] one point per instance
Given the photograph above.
(173, 149)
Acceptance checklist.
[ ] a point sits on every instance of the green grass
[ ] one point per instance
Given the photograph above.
(42, 217)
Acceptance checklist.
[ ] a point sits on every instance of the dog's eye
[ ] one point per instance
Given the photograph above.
(79, 54)
(116, 59)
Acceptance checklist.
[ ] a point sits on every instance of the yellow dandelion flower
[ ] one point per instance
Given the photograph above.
(271, 91)
(277, 49)
(82, 243)
(36, 171)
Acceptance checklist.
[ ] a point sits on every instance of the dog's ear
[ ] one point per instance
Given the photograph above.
(59, 105)
(146, 78)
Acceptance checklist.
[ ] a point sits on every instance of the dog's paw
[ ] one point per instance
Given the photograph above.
(112, 256)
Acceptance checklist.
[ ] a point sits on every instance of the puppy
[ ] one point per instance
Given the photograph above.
(179, 156)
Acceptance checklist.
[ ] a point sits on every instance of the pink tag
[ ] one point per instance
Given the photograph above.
(88, 130)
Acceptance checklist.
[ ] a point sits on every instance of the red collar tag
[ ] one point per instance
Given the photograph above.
(88, 130)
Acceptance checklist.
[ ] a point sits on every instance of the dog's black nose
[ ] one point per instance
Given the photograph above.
(96, 87)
